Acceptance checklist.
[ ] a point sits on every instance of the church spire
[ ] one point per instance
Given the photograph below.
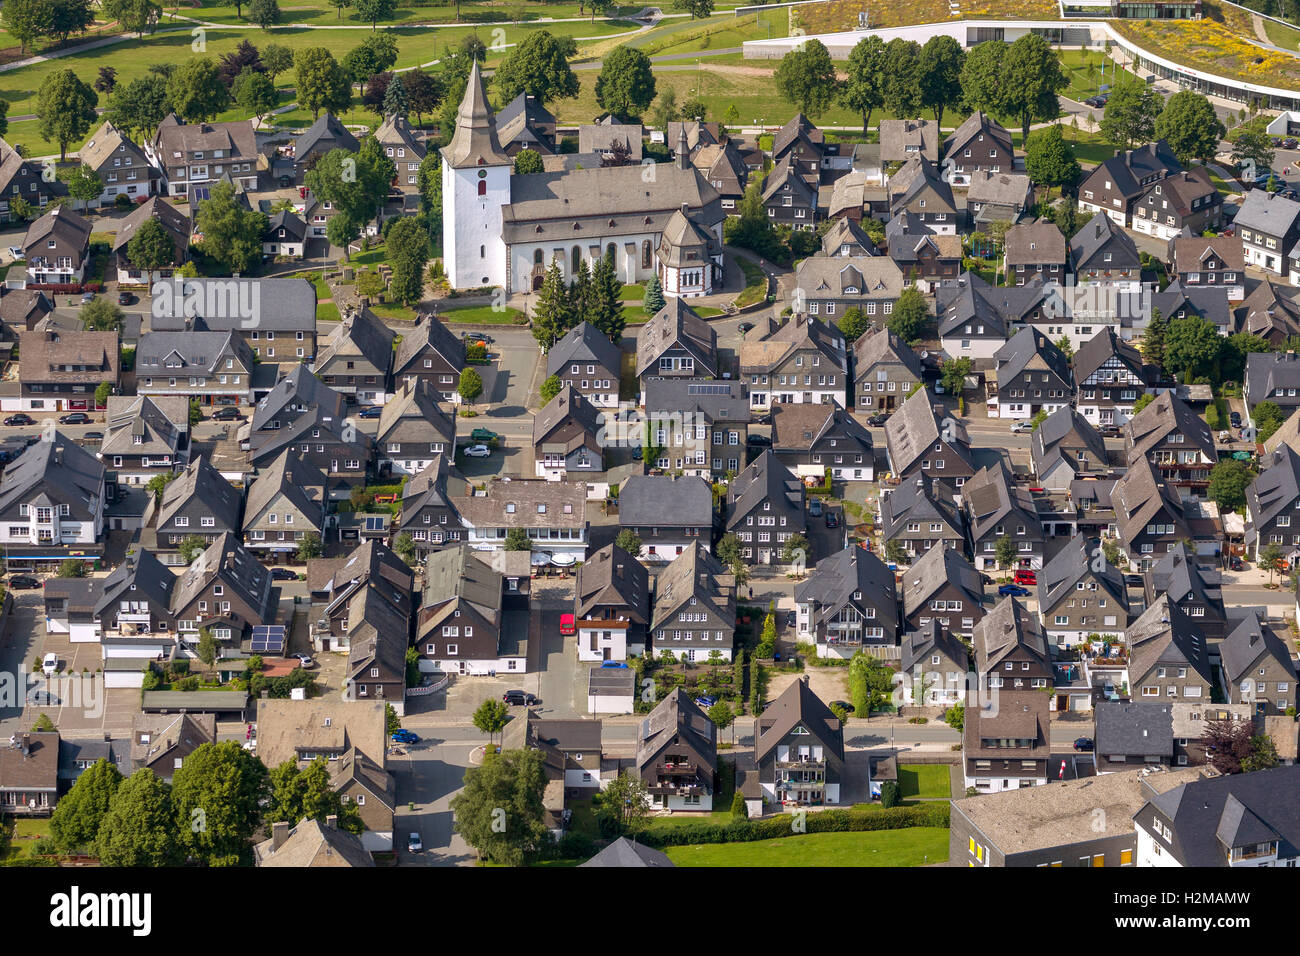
(475, 141)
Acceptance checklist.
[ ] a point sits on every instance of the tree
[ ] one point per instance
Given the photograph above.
(552, 316)
(895, 552)
(653, 300)
(101, 315)
(853, 324)
(500, 811)
(953, 375)
(1229, 480)
(695, 109)
(72, 568)
(1065, 345)
(134, 16)
(158, 483)
(1227, 743)
(806, 78)
(910, 315)
(138, 107)
(1191, 347)
(106, 82)
(626, 83)
(102, 391)
(405, 547)
(623, 804)
(374, 54)
(25, 20)
(491, 717)
(79, 813)
(1252, 144)
(696, 8)
(423, 93)
(1130, 114)
(1049, 160)
(255, 93)
(981, 77)
(408, 252)
(890, 795)
(65, 108)
(1004, 550)
(629, 541)
(264, 13)
(1031, 77)
(308, 794)
(795, 550)
(538, 66)
(232, 234)
(140, 827)
(550, 388)
(218, 792)
(528, 162)
(340, 6)
(276, 59)
(471, 385)
(191, 546)
(1270, 559)
(83, 183)
(66, 17)
(1268, 418)
(208, 647)
(1039, 417)
(195, 91)
(606, 307)
(372, 11)
(309, 546)
(151, 247)
(722, 716)
(517, 540)
(939, 72)
(666, 110)
(395, 103)
(955, 717)
(1152, 345)
(241, 58)
(862, 90)
(1191, 127)
(1262, 756)
(321, 83)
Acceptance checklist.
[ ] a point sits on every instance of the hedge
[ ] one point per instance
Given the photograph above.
(933, 814)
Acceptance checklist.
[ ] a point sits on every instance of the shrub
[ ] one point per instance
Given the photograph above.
(771, 828)
(889, 794)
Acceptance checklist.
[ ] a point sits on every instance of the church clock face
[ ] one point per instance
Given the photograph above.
(482, 174)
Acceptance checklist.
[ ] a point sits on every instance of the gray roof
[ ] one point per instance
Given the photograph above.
(458, 573)
(991, 497)
(880, 345)
(915, 500)
(1000, 189)
(1267, 212)
(1139, 494)
(937, 568)
(584, 343)
(832, 583)
(1164, 634)
(328, 131)
(196, 351)
(665, 502)
(1101, 234)
(157, 422)
(430, 334)
(970, 297)
(1250, 640)
(1099, 349)
(612, 577)
(360, 335)
(1070, 566)
(201, 483)
(1059, 438)
(474, 143)
(1277, 488)
(902, 138)
(1177, 575)
(1134, 728)
(299, 481)
(764, 480)
(911, 431)
(60, 466)
(1267, 371)
(1014, 357)
(677, 715)
(236, 566)
(838, 277)
(1009, 626)
(143, 577)
(297, 391)
(625, 852)
(1164, 416)
(932, 638)
(797, 127)
(416, 413)
(1035, 243)
(695, 573)
(677, 324)
(847, 231)
(798, 706)
(566, 408)
(275, 305)
(717, 401)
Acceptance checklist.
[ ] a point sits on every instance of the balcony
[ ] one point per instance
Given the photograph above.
(801, 764)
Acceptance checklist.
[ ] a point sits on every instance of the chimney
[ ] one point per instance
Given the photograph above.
(27, 744)
(279, 833)
(332, 822)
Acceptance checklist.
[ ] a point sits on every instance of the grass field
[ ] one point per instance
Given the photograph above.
(1283, 36)
(755, 284)
(924, 780)
(482, 314)
(915, 846)
(1083, 83)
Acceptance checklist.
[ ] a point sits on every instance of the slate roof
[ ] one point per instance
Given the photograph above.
(612, 577)
(902, 138)
(1100, 349)
(677, 324)
(1129, 168)
(569, 407)
(1035, 243)
(1276, 489)
(797, 706)
(277, 305)
(1246, 643)
(61, 464)
(1014, 357)
(236, 566)
(1072, 564)
(1162, 417)
(991, 497)
(201, 483)
(1138, 495)
(584, 343)
(996, 307)
(879, 345)
(360, 335)
(1163, 634)
(140, 575)
(328, 130)
(474, 142)
(911, 431)
(175, 222)
(822, 277)
(1062, 432)
(1267, 371)
(1134, 728)
(155, 419)
(68, 358)
(1266, 212)
(1177, 575)
(419, 405)
(915, 500)
(798, 427)
(300, 482)
(1007, 628)
(844, 231)
(313, 844)
(665, 502)
(300, 389)
(835, 579)
(931, 639)
(625, 852)
(430, 333)
(939, 566)
(695, 573)
(1100, 234)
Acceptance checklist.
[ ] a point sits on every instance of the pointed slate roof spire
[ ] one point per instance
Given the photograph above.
(475, 141)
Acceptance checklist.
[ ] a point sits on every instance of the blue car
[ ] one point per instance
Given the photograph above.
(1014, 590)
(405, 737)
(371, 411)
(705, 701)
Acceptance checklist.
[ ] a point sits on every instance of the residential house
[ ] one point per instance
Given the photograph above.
(943, 586)
(193, 155)
(358, 358)
(214, 368)
(998, 197)
(336, 584)
(814, 439)
(52, 505)
(414, 428)
(902, 139)
(934, 666)
(135, 602)
(1196, 591)
(765, 509)
(175, 224)
(846, 602)
(799, 749)
(700, 427)
(431, 352)
(1030, 375)
(1186, 199)
(376, 635)
(999, 507)
(1110, 377)
(920, 517)
(976, 319)
(276, 318)
(1149, 513)
(1273, 313)
(980, 145)
(694, 612)
(846, 238)
(802, 146)
(406, 149)
(670, 515)
(552, 513)
(286, 503)
(677, 754)
(1273, 501)
(57, 248)
(1065, 447)
(1035, 250)
(428, 508)
(571, 760)
(325, 134)
(885, 370)
(21, 310)
(567, 437)
(1011, 651)
(828, 287)
(1006, 743)
(628, 853)
(918, 188)
(163, 742)
(917, 442)
(804, 360)
(1081, 593)
(1176, 302)
(1168, 659)
(1101, 252)
(1119, 183)
(61, 370)
(1132, 734)
(676, 343)
(789, 199)
(1258, 668)
(29, 774)
(24, 179)
(1174, 438)
(1273, 377)
(225, 591)
(285, 236)
(1269, 227)
(198, 503)
(611, 606)
(722, 165)
(921, 253)
(524, 123)
(1202, 261)
(586, 360)
(312, 844)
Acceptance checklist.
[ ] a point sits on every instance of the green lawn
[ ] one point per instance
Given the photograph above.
(1286, 37)
(914, 846)
(1085, 84)
(924, 780)
(631, 293)
(755, 284)
(26, 830)
(482, 314)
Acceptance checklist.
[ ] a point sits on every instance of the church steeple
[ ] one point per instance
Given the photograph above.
(475, 141)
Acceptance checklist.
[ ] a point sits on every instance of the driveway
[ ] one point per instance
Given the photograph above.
(430, 774)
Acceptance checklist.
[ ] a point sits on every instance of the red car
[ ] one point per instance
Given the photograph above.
(1026, 577)
(568, 625)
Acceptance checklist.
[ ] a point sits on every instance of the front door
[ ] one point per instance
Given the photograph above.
(607, 653)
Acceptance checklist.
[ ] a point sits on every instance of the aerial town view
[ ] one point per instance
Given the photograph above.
(525, 434)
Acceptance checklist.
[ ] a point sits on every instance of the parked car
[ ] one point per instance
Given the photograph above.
(1236, 564)
(50, 664)
(23, 582)
(414, 844)
(227, 413)
(613, 665)
(404, 736)
(87, 298)
(878, 419)
(1012, 590)
(815, 508)
(637, 453)
(20, 420)
(16, 252)
(283, 574)
(520, 698)
(125, 298)
(1025, 577)
(744, 327)
(371, 411)
(1134, 580)
(1083, 745)
(477, 451)
(758, 440)
(1019, 427)
(92, 437)
(1109, 431)
(832, 519)
(304, 659)
(706, 701)
(763, 420)
(568, 625)
(75, 418)
(1235, 419)
(482, 436)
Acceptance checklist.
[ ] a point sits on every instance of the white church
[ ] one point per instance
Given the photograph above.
(503, 230)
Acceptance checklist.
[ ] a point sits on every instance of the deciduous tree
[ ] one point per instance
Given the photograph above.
(65, 109)
(806, 78)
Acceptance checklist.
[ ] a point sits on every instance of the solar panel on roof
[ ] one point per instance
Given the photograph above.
(708, 389)
(268, 639)
(375, 524)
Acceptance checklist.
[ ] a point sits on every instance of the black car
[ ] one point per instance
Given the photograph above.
(843, 705)
(832, 519)
(878, 419)
(763, 420)
(1134, 580)
(283, 574)
(75, 418)
(1235, 418)
(478, 337)
(744, 327)
(758, 440)
(1083, 745)
(92, 436)
(227, 414)
(125, 298)
(20, 420)
(23, 582)
(520, 698)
